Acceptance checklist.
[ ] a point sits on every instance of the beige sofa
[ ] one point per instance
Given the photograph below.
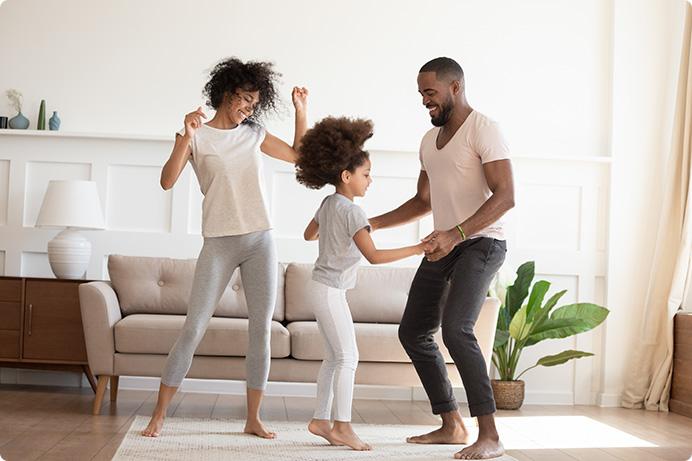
(131, 322)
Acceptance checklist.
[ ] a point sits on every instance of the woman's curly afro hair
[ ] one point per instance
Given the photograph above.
(333, 145)
(232, 74)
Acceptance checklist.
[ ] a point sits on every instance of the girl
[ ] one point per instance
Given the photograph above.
(225, 155)
(331, 153)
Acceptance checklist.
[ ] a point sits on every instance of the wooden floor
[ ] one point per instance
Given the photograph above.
(38, 422)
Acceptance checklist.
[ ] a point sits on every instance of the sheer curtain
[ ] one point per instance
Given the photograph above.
(648, 383)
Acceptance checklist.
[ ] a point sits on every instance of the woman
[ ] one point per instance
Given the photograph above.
(225, 155)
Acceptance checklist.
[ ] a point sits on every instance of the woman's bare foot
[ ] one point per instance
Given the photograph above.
(164, 398)
(455, 435)
(255, 427)
(154, 427)
(482, 449)
(342, 434)
(322, 428)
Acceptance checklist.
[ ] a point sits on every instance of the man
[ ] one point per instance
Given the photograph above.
(466, 180)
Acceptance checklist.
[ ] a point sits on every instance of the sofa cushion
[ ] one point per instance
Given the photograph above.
(156, 285)
(156, 334)
(379, 296)
(377, 342)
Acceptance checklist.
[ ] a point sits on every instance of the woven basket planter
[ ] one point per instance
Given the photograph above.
(509, 395)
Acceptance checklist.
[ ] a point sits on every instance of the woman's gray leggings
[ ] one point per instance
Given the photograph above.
(255, 253)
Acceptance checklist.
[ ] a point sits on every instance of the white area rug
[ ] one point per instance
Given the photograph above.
(218, 439)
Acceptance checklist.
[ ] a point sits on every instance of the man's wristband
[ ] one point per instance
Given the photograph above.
(461, 231)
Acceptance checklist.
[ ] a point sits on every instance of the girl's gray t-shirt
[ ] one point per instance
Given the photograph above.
(339, 219)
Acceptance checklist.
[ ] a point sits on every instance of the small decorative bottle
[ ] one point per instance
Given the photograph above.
(54, 121)
(41, 125)
(19, 122)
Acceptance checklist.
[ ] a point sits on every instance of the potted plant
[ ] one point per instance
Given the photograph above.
(19, 121)
(521, 325)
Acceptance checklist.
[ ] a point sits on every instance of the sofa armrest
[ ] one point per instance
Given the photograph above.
(100, 312)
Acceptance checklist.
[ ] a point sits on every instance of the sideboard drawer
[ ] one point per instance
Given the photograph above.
(10, 316)
(9, 344)
(11, 290)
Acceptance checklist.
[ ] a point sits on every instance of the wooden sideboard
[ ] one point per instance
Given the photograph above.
(41, 325)
(681, 389)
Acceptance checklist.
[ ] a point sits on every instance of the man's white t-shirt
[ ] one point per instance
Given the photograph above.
(457, 182)
(228, 165)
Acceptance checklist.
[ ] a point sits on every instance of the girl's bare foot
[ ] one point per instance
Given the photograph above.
(154, 427)
(255, 427)
(322, 428)
(342, 433)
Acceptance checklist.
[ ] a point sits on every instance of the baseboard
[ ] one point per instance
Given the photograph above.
(42, 377)
(609, 400)
(283, 389)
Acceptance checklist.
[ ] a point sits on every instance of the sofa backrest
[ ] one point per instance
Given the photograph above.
(379, 296)
(156, 285)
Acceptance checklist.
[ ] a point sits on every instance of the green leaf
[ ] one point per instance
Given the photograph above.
(562, 357)
(553, 300)
(592, 314)
(501, 338)
(568, 321)
(555, 329)
(503, 319)
(538, 292)
(519, 290)
(519, 329)
(557, 359)
(543, 312)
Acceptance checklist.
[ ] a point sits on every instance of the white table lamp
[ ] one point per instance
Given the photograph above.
(74, 205)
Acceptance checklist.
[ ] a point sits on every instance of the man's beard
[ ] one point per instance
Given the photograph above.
(445, 113)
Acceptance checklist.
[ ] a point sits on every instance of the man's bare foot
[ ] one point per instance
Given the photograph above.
(255, 427)
(445, 435)
(342, 434)
(482, 449)
(322, 428)
(154, 427)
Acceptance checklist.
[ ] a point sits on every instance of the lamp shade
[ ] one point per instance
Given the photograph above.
(71, 203)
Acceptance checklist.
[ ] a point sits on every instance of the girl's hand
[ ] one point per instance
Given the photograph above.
(193, 121)
(421, 247)
(300, 98)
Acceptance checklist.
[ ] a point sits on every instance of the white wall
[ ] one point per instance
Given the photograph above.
(541, 67)
(574, 84)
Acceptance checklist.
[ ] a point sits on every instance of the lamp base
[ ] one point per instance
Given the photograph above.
(68, 254)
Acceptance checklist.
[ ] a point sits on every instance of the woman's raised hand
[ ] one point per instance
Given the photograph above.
(300, 98)
(193, 120)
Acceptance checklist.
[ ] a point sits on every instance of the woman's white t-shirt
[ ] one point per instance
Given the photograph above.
(228, 165)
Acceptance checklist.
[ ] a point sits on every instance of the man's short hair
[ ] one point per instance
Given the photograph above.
(444, 68)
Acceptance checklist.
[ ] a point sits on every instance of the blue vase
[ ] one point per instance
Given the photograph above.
(19, 122)
(54, 121)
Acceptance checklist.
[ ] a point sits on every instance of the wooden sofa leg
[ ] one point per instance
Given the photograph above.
(114, 388)
(100, 391)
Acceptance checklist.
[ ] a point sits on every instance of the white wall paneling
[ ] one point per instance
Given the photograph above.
(558, 221)
(135, 200)
(4, 190)
(35, 264)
